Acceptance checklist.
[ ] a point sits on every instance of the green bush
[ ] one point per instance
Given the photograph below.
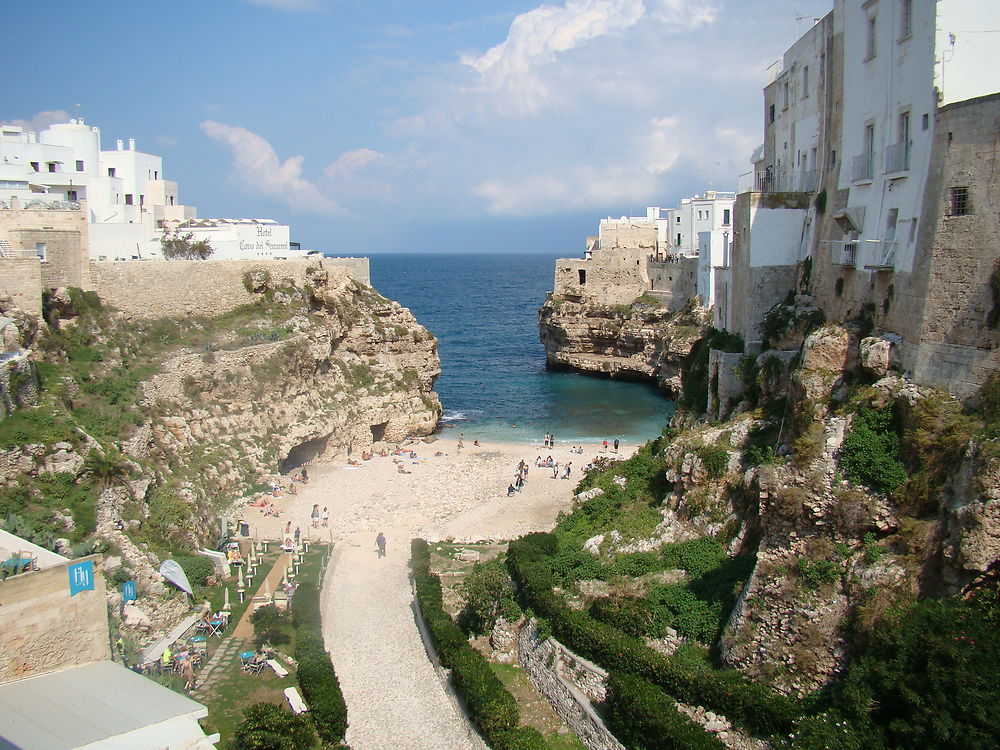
(715, 459)
(635, 564)
(815, 573)
(870, 452)
(315, 673)
(488, 595)
(197, 568)
(696, 556)
(640, 715)
(269, 727)
(267, 625)
(631, 615)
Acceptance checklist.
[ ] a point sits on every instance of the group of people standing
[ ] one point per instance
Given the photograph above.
(520, 477)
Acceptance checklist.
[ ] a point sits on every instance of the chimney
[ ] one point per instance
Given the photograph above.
(131, 144)
(120, 144)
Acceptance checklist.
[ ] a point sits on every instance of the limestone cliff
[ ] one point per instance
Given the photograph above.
(147, 429)
(643, 341)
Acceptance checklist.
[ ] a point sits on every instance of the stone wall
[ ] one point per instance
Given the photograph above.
(64, 234)
(615, 235)
(154, 289)
(21, 278)
(43, 628)
(610, 277)
(569, 683)
(673, 283)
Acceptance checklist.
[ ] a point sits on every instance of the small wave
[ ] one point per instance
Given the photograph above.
(461, 416)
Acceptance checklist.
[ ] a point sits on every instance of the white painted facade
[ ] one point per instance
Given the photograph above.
(702, 227)
(241, 238)
(128, 200)
(896, 54)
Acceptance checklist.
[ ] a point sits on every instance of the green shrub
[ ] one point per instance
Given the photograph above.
(488, 595)
(631, 615)
(197, 568)
(870, 452)
(696, 556)
(315, 673)
(815, 573)
(269, 727)
(635, 564)
(715, 460)
(640, 715)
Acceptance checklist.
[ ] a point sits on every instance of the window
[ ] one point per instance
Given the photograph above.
(678, 239)
(583, 276)
(805, 81)
(925, 121)
(725, 216)
(770, 113)
(156, 175)
(833, 158)
(111, 171)
(870, 48)
(890, 224)
(870, 145)
(960, 201)
(142, 200)
(52, 166)
(128, 199)
(678, 219)
(79, 165)
(40, 250)
(71, 195)
(34, 166)
(905, 19)
(784, 95)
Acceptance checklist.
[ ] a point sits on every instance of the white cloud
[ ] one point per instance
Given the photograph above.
(41, 121)
(257, 168)
(351, 162)
(165, 141)
(538, 37)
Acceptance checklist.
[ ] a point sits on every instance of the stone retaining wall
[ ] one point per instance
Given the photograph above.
(156, 288)
(570, 683)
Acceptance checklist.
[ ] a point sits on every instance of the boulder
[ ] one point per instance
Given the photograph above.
(827, 349)
(135, 617)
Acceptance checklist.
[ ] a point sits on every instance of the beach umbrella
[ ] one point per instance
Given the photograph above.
(239, 573)
(173, 572)
(267, 589)
(225, 599)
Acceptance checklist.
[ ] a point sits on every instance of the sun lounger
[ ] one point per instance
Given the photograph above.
(278, 669)
(295, 701)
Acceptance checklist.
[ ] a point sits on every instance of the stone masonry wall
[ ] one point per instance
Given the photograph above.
(21, 278)
(43, 628)
(155, 289)
(569, 683)
(673, 283)
(64, 234)
(612, 277)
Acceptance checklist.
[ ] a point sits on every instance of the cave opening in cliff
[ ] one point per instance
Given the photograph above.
(378, 432)
(303, 453)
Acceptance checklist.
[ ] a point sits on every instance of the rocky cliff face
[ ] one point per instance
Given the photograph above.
(160, 425)
(638, 342)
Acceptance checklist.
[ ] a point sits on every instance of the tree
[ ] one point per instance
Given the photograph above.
(109, 468)
(270, 727)
(174, 245)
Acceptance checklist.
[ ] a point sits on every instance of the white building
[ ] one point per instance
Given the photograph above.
(129, 203)
(701, 227)
(240, 238)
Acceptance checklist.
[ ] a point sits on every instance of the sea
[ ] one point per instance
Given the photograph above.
(494, 385)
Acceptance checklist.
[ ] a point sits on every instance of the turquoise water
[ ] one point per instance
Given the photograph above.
(494, 384)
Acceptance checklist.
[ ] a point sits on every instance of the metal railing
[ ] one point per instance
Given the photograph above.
(885, 255)
(897, 158)
(848, 254)
(862, 167)
(807, 181)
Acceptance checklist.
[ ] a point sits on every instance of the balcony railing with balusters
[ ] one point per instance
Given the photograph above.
(862, 167)
(848, 255)
(884, 255)
(897, 158)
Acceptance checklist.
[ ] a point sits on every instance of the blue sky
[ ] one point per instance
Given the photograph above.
(390, 125)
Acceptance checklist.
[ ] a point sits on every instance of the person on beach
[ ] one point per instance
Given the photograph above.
(605, 448)
(380, 544)
(187, 669)
(288, 529)
(305, 476)
(616, 445)
(461, 440)
(510, 490)
(315, 516)
(325, 515)
(567, 470)
(555, 470)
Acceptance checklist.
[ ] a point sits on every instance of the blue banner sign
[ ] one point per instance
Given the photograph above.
(81, 577)
(128, 592)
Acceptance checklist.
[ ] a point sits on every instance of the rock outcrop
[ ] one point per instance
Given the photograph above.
(637, 342)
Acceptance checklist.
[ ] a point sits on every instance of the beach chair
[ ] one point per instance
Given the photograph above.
(278, 669)
(295, 701)
(251, 664)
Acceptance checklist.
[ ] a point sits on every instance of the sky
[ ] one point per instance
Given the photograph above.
(375, 126)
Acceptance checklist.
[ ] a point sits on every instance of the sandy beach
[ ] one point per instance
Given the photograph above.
(394, 696)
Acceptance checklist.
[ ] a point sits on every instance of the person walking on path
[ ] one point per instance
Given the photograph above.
(566, 470)
(325, 515)
(315, 516)
(380, 544)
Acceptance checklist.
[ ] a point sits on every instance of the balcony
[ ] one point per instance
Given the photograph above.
(897, 158)
(846, 254)
(807, 181)
(885, 255)
(862, 167)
